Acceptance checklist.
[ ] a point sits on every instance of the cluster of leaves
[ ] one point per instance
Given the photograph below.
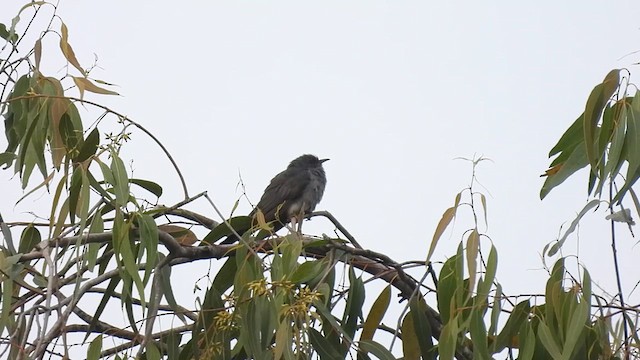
(604, 137)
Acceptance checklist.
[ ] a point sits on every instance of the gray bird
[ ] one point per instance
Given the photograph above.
(292, 194)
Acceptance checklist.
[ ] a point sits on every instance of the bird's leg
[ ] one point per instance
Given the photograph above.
(292, 224)
(296, 223)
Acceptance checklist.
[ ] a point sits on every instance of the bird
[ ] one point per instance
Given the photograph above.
(292, 194)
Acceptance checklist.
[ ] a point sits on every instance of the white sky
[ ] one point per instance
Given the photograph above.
(391, 91)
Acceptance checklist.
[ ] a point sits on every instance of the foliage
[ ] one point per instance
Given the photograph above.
(290, 296)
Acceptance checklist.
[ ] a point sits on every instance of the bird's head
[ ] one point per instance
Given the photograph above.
(307, 161)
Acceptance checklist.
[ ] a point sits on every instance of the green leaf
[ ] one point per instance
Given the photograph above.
(484, 286)
(447, 216)
(448, 340)
(527, 342)
(121, 182)
(11, 37)
(123, 247)
(149, 241)
(577, 327)
(571, 138)
(106, 298)
(74, 192)
(329, 319)
(167, 291)
(617, 143)
(6, 159)
(93, 352)
(306, 271)
(410, 342)
(98, 187)
(548, 341)
(574, 224)
(378, 309)
(96, 227)
(376, 349)
(496, 309)
(479, 335)
(320, 344)
(8, 238)
(598, 99)
(448, 286)
(632, 138)
(150, 186)
(89, 147)
(283, 341)
(152, 352)
(71, 135)
(29, 239)
(353, 309)
(472, 250)
(172, 340)
(27, 156)
(222, 230)
(422, 327)
(576, 161)
(510, 330)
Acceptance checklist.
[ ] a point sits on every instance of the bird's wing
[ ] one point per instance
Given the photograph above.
(286, 187)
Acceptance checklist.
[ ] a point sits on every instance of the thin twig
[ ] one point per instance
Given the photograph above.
(617, 271)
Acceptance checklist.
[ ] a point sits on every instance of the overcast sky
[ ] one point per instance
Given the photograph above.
(391, 91)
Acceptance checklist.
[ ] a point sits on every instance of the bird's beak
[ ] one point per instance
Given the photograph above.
(323, 160)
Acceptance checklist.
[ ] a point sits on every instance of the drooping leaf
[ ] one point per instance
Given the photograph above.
(573, 136)
(472, 249)
(183, 235)
(576, 161)
(320, 344)
(410, 341)
(449, 285)
(306, 272)
(106, 298)
(510, 330)
(448, 340)
(74, 192)
(222, 230)
(67, 51)
(150, 186)
(85, 84)
(71, 136)
(484, 286)
(376, 349)
(93, 352)
(6, 159)
(479, 335)
(5, 34)
(29, 239)
(422, 327)
(378, 309)
(590, 205)
(447, 216)
(596, 103)
(167, 291)
(549, 341)
(120, 179)
(353, 308)
(89, 146)
(149, 242)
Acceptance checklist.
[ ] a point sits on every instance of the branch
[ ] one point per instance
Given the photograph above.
(338, 225)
